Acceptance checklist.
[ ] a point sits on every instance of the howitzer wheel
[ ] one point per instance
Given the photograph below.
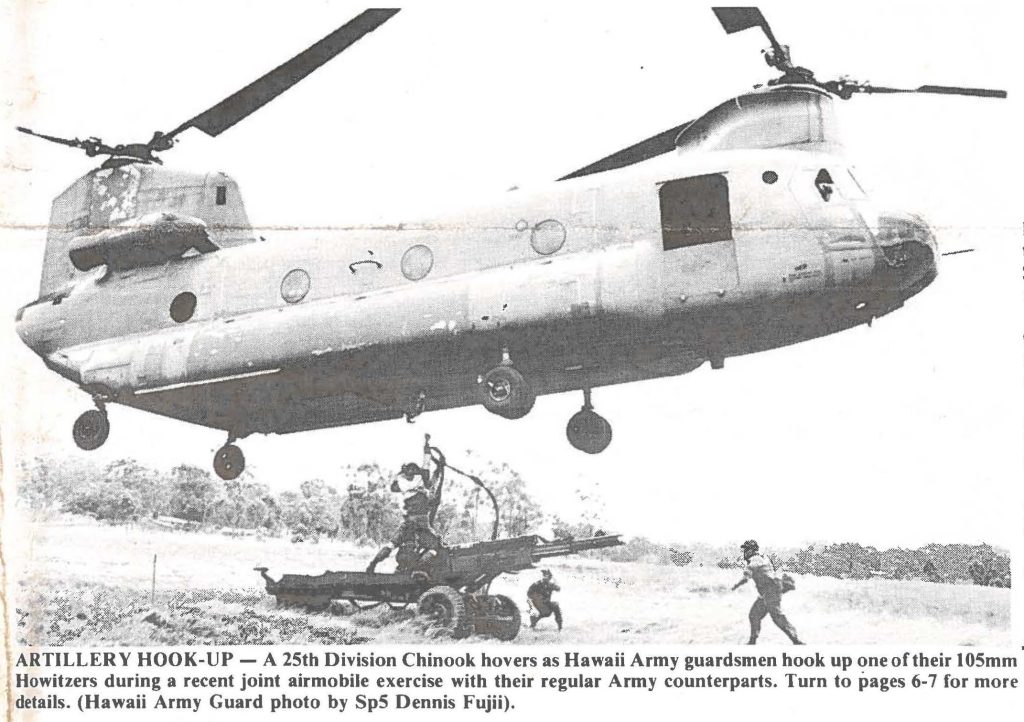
(506, 626)
(446, 608)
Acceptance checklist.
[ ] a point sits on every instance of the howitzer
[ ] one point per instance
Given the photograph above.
(450, 587)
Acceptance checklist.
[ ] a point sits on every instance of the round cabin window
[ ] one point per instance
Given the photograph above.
(295, 285)
(769, 176)
(183, 306)
(417, 262)
(547, 237)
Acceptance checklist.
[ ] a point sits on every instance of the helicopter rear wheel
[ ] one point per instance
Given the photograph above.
(229, 462)
(91, 429)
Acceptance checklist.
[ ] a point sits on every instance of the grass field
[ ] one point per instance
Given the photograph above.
(82, 583)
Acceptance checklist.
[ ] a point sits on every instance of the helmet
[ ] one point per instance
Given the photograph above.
(749, 547)
(410, 470)
(545, 572)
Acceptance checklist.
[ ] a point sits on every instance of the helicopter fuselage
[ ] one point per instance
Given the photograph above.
(640, 273)
(741, 231)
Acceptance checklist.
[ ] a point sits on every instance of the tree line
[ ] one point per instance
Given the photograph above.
(363, 509)
(978, 564)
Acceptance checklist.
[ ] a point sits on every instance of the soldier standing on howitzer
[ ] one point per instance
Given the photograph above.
(539, 596)
(416, 539)
(769, 592)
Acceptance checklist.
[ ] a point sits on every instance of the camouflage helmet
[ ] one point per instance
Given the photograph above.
(749, 547)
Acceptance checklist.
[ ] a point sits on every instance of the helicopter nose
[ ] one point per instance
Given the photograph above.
(910, 252)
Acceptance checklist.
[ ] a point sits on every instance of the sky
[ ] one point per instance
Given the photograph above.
(900, 434)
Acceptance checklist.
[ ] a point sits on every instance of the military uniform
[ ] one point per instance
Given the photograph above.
(769, 599)
(415, 539)
(539, 595)
(769, 593)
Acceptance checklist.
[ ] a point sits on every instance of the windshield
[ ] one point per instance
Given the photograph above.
(767, 119)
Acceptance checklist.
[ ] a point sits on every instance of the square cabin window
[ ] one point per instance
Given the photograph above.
(695, 211)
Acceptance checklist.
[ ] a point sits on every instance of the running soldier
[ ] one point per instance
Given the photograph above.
(769, 590)
(539, 595)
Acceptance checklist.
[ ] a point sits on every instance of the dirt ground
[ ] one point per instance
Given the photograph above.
(77, 582)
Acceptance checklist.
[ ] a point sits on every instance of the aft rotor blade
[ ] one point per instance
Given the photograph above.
(254, 96)
(734, 20)
(52, 138)
(644, 150)
(938, 90)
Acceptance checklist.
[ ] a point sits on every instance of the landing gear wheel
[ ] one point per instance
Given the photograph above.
(588, 431)
(446, 608)
(507, 626)
(91, 429)
(229, 462)
(506, 393)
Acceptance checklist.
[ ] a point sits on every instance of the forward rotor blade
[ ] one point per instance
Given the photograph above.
(937, 90)
(254, 96)
(644, 150)
(735, 19)
(949, 90)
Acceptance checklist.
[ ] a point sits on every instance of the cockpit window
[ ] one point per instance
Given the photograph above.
(825, 185)
(767, 119)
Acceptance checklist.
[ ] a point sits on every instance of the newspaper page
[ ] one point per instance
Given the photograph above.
(547, 360)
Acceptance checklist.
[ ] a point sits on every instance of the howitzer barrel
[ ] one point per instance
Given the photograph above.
(562, 547)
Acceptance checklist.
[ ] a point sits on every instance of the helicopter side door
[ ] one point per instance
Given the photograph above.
(698, 251)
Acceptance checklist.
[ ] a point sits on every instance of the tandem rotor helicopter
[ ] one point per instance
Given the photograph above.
(741, 231)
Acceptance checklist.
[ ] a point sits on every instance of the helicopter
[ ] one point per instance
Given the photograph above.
(738, 232)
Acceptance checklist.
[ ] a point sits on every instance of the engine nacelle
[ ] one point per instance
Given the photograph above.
(146, 241)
